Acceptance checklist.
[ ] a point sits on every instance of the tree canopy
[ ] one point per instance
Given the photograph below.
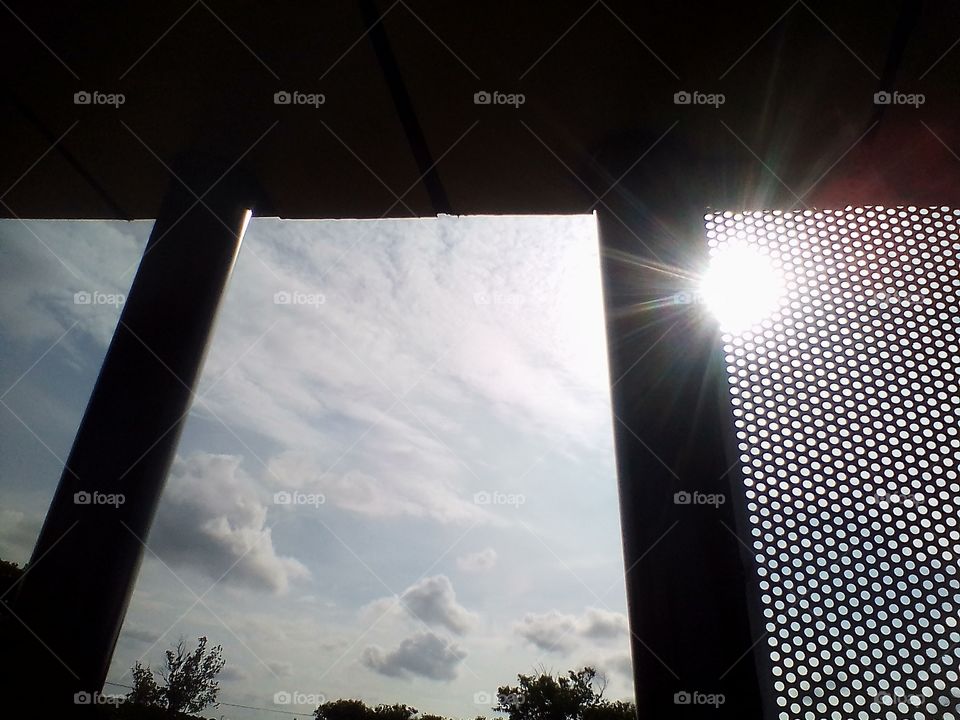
(578, 695)
(189, 680)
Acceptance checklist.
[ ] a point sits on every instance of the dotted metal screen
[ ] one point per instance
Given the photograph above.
(845, 406)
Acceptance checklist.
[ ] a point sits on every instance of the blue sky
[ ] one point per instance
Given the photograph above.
(433, 396)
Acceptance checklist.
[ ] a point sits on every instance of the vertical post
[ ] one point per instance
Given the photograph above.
(71, 601)
(686, 580)
(689, 566)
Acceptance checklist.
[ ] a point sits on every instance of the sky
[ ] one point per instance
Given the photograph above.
(397, 480)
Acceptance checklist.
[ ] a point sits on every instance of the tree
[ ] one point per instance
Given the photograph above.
(145, 689)
(576, 696)
(393, 712)
(189, 680)
(10, 574)
(343, 710)
(604, 710)
(358, 710)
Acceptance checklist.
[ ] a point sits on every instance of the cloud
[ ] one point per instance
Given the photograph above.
(234, 674)
(480, 561)
(279, 668)
(431, 600)
(616, 670)
(408, 476)
(400, 345)
(551, 631)
(211, 520)
(425, 655)
(602, 624)
(622, 665)
(18, 534)
(47, 262)
(554, 631)
(394, 361)
(139, 635)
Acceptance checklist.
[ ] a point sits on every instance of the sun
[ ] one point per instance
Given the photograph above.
(742, 286)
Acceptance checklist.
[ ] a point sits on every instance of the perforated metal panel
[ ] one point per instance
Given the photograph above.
(845, 406)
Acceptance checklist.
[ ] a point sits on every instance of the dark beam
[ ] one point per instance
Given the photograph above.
(688, 565)
(70, 604)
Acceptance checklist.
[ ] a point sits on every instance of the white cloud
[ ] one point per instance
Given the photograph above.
(18, 534)
(425, 655)
(602, 624)
(395, 487)
(622, 665)
(398, 320)
(210, 519)
(50, 261)
(432, 601)
(279, 668)
(234, 674)
(405, 316)
(554, 631)
(479, 561)
(551, 631)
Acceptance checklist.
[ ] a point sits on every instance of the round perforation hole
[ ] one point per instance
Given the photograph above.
(845, 403)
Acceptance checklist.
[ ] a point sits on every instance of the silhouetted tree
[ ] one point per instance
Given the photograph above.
(358, 710)
(189, 680)
(576, 696)
(393, 712)
(10, 573)
(343, 710)
(604, 710)
(145, 689)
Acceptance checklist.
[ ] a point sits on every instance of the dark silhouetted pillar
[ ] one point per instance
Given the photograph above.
(69, 606)
(688, 565)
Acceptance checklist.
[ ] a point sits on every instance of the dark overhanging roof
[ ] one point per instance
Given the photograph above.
(599, 80)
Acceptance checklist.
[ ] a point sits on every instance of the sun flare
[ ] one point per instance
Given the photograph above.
(742, 286)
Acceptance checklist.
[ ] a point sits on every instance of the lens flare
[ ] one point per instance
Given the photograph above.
(742, 286)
